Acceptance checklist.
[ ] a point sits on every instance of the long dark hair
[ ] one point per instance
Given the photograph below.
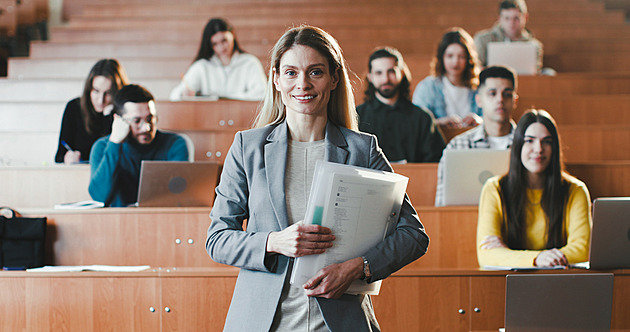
(111, 69)
(460, 37)
(213, 26)
(514, 185)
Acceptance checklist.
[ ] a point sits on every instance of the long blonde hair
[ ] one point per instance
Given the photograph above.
(341, 108)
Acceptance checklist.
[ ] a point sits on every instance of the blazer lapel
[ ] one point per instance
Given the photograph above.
(275, 168)
(336, 148)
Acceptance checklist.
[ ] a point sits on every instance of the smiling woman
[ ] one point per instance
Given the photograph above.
(308, 114)
(537, 214)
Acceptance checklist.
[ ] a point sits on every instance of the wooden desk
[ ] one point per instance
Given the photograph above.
(44, 186)
(198, 298)
(160, 299)
(127, 236)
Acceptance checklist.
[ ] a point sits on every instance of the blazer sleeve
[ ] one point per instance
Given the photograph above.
(227, 242)
(407, 242)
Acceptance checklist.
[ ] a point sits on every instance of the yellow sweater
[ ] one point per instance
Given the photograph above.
(577, 225)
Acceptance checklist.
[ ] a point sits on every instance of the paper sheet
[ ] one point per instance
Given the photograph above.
(359, 205)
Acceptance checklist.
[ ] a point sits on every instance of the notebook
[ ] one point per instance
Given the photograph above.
(465, 172)
(558, 302)
(610, 236)
(520, 56)
(177, 183)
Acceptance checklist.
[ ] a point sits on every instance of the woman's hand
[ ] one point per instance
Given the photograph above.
(300, 240)
(492, 241)
(450, 121)
(471, 120)
(72, 157)
(333, 280)
(551, 257)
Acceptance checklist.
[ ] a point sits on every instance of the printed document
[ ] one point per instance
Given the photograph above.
(360, 206)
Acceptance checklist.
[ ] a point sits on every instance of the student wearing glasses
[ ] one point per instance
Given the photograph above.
(115, 159)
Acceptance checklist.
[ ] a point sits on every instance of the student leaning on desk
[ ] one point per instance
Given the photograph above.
(537, 214)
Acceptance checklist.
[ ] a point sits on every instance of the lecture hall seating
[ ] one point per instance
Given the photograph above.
(184, 288)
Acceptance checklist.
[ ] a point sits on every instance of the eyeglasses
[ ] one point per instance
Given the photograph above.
(139, 122)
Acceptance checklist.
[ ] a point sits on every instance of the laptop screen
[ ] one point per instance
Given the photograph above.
(610, 236)
(177, 183)
(558, 302)
(521, 56)
(465, 172)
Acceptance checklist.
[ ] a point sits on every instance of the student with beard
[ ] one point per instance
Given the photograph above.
(405, 132)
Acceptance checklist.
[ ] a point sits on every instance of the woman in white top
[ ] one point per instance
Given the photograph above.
(221, 68)
(449, 93)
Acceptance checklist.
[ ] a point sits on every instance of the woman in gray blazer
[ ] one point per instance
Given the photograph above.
(308, 114)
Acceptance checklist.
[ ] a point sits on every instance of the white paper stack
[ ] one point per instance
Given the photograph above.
(359, 205)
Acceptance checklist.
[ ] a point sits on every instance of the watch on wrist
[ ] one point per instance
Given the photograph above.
(366, 269)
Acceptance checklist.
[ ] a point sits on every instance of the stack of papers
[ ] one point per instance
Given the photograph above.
(83, 205)
(360, 206)
(78, 268)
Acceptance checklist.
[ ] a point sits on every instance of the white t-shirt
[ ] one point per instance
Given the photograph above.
(456, 98)
(499, 142)
(243, 78)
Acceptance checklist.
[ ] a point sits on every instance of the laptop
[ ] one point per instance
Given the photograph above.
(610, 236)
(558, 302)
(177, 183)
(520, 56)
(465, 172)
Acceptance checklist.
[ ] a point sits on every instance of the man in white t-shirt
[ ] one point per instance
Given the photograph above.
(497, 97)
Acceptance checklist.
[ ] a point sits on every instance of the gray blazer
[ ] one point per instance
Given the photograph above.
(252, 188)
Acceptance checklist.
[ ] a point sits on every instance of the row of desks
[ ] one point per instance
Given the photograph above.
(197, 299)
(437, 292)
(45, 186)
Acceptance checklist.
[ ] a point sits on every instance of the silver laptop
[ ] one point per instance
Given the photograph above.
(610, 237)
(465, 172)
(558, 302)
(177, 183)
(520, 56)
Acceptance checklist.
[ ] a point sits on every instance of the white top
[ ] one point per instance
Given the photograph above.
(500, 142)
(456, 98)
(296, 311)
(243, 78)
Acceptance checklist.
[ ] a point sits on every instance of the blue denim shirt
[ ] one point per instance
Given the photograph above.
(429, 94)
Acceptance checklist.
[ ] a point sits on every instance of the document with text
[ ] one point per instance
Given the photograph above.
(360, 206)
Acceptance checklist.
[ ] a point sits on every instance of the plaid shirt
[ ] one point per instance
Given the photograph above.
(475, 138)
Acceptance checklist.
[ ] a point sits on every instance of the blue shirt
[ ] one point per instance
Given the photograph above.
(115, 167)
(429, 94)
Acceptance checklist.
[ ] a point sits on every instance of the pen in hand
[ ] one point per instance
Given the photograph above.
(65, 145)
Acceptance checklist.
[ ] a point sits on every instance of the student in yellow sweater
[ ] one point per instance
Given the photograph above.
(536, 214)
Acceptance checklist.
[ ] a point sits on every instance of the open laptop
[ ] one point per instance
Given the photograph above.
(465, 172)
(177, 183)
(520, 56)
(610, 236)
(558, 302)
